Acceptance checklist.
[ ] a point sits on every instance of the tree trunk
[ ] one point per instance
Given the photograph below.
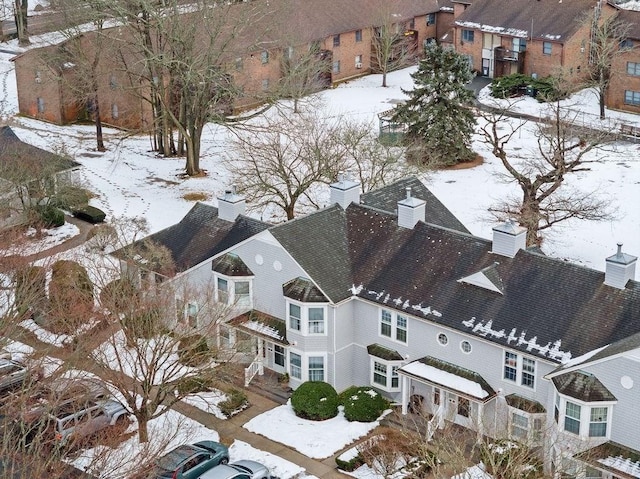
(21, 7)
(384, 77)
(143, 431)
(289, 210)
(530, 215)
(98, 121)
(601, 94)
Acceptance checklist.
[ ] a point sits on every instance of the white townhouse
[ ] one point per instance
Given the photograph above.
(389, 289)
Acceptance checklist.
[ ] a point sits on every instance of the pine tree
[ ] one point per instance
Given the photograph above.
(437, 114)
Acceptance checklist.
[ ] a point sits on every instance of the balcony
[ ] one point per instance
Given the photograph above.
(502, 54)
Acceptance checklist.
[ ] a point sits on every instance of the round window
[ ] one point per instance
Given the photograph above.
(465, 346)
(442, 339)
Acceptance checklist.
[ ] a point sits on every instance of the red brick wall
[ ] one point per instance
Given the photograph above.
(622, 81)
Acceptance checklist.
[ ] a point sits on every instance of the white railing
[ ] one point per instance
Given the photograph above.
(256, 367)
(436, 422)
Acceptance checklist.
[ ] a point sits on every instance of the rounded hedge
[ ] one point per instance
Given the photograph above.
(362, 404)
(50, 217)
(315, 400)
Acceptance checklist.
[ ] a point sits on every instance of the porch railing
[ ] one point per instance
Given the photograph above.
(256, 367)
(436, 422)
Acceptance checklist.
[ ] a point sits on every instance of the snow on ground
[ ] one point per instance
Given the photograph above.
(208, 402)
(54, 339)
(130, 180)
(315, 439)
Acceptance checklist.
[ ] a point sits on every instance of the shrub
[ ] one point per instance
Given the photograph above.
(102, 236)
(517, 84)
(194, 384)
(145, 322)
(315, 400)
(119, 295)
(193, 350)
(71, 296)
(90, 214)
(349, 464)
(236, 401)
(30, 289)
(362, 404)
(49, 216)
(68, 197)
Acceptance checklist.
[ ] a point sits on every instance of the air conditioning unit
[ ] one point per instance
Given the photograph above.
(358, 65)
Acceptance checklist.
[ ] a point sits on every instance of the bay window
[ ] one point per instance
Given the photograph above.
(295, 315)
(306, 320)
(384, 374)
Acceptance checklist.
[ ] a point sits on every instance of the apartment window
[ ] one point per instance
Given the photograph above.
(192, 315)
(443, 339)
(40, 104)
(393, 329)
(265, 84)
(467, 36)
(572, 417)
(626, 44)
(465, 346)
(336, 40)
(336, 67)
(289, 53)
(358, 61)
(519, 426)
(295, 316)
(463, 406)
(412, 24)
(630, 97)
(519, 44)
(436, 396)
(316, 320)
(517, 366)
(239, 63)
(633, 68)
(385, 374)
(279, 355)
(114, 111)
(358, 35)
(38, 76)
(242, 293)
(295, 365)
(316, 368)
(598, 422)
(264, 57)
(546, 48)
(113, 82)
(592, 473)
(223, 290)
(225, 336)
(431, 19)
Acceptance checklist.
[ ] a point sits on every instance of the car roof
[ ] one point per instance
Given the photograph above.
(222, 471)
(174, 458)
(251, 465)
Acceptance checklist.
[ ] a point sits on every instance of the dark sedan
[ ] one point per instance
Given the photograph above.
(189, 461)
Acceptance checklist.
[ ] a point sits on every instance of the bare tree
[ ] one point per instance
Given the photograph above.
(20, 10)
(564, 148)
(607, 35)
(305, 70)
(390, 47)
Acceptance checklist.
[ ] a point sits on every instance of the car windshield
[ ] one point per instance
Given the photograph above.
(174, 459)
(9, 368)
(241, 468)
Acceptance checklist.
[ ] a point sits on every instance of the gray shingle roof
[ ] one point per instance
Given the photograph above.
(543, 19)
(582, 386)
(302, 289)
(230, 264)
(200, 235)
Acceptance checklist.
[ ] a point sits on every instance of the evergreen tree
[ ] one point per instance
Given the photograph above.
(437, 114)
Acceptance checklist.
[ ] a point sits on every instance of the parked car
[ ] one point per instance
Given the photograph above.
(238, 470)
(189, 461)
(12, 374)
(73, 421)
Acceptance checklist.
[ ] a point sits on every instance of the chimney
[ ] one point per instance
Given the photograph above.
(230, 205)
(411, 210)
(508, 239)
(620, 268)
(344, 192)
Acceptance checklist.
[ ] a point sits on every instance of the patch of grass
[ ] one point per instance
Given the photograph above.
(196, 196)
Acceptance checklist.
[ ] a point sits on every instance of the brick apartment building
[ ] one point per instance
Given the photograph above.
(342, 31)
(624, 89)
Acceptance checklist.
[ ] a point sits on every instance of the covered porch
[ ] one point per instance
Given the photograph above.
(258, 340)
(445, 393)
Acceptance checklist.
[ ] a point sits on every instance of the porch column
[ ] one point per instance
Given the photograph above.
(406, 384)
(260, 357)
(480, 422)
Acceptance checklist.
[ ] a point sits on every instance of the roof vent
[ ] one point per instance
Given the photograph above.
(508, 239)
(411, 210)
(230, 205)
(620, 268)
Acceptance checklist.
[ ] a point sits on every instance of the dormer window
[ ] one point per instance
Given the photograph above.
(233, 281)
(306, 319)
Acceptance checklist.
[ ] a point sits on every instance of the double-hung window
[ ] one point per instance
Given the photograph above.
(295, 365)
(633, 68)
(546, 48)
(572, 417)
(598, 421)
(384, 374)
(431, 19)
(316, 320)
(358, 35)
(279, 355)
(336, 40)
(242, 293)
(584, 419)
(295, 317)
(222, 286)
(467, 36)
(632, 97)
(316, 368)
(519, 369)
(393, 325)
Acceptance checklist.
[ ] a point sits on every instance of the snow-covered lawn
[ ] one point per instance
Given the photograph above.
(54, 339)
(208, 402)
(315, 439)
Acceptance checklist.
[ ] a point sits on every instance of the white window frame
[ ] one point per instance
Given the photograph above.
(305, 328)
(390, 373)
(264, 57)
(533, 431)
(191, 313)
(396, 320)
(244, 301)
(298, 319)
(301, 366)
(307, 362)
(585, 416)
(525, 369)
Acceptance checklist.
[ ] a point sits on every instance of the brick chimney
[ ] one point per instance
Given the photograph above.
(620, 268)
(344, 192)
(508, 239)
(411, 210)
(230, 205)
